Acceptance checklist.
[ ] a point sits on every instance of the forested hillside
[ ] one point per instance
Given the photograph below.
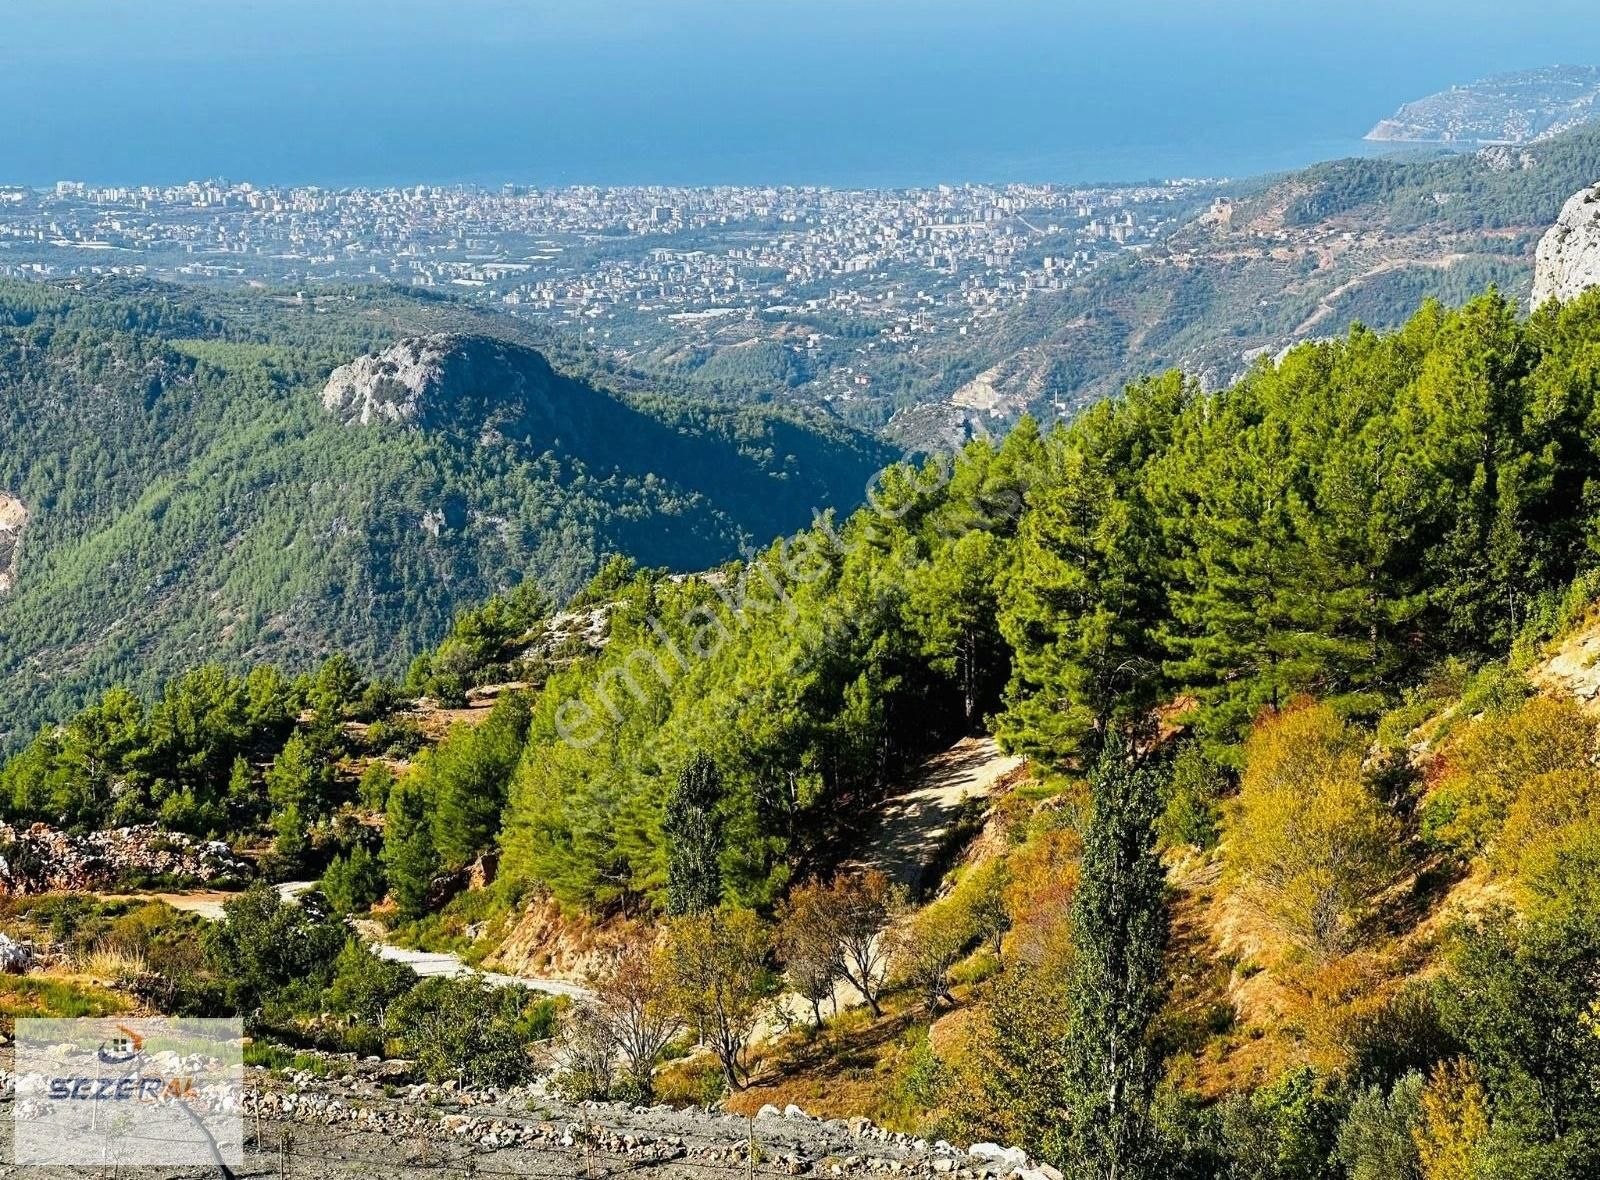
(186, 496)
(1334, 525)
(1300, 882)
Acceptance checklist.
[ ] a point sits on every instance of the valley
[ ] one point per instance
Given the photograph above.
(241, 519)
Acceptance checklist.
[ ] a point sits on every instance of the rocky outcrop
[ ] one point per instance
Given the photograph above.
(15, 957)
(42, 859)
(437, 380)
(13, 519)
(549, 944)
(1569, 254)
(389, 386)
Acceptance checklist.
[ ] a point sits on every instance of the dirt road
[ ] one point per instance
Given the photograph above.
(425, 963)
(914, 824)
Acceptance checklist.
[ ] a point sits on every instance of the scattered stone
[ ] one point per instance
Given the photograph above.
(15, 957)
(1009, 1157)
(346, 1098)
(42, 859)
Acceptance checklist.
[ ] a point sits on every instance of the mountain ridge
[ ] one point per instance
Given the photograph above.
(238, 519)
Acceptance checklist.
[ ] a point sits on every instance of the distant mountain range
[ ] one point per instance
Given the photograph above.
(181, 481)
(1522, 107)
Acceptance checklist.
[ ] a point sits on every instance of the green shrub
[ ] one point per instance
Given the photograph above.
(1190, 815)
(353, 883)
(267, 946)
(1375, 1139)
(1285, 1131)
(462, 1030)
(365, 985)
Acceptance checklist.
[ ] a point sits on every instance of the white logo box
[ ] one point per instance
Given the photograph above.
(120, 1090)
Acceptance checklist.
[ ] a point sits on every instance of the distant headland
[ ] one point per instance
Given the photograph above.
(1522, 107)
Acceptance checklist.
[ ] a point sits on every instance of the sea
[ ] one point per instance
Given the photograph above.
(844, 93)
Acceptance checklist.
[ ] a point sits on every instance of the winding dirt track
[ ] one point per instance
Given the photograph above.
(425, 963)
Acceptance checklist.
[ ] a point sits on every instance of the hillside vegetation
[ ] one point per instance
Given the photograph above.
(1290, 259)
(187, 496)
(1300, 884)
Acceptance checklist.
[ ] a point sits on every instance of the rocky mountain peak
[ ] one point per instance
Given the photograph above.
(1569, 254)
(435, 379)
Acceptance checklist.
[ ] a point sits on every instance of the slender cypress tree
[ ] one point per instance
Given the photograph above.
(693, 829)
(1119, 923)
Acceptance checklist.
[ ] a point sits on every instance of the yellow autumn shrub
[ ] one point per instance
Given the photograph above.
(1454, 1123)
(1543, 814)
(1499, 755)
(1310, 844)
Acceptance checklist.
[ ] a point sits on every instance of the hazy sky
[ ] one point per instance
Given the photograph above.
(709, 90)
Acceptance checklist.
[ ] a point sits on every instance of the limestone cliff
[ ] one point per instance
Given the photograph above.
(1569, 254)
(13, 518)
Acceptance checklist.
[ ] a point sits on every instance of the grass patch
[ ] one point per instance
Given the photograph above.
(881, 1068)
(113, 960)
(49, 997)
(281, 1060)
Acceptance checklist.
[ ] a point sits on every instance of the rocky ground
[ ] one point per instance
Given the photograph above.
(42, 859)
(363, 1124)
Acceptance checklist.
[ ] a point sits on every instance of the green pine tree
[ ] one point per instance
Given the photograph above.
(1119, 928)
(409, 859)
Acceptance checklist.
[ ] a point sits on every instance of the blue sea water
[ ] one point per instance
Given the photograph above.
(840, 92)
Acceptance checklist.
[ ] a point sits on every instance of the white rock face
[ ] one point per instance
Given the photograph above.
(1569, 254)
(14, 957)
(389, 386)
(13, 519)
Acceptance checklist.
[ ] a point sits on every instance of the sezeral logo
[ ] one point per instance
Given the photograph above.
(158, 1091)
